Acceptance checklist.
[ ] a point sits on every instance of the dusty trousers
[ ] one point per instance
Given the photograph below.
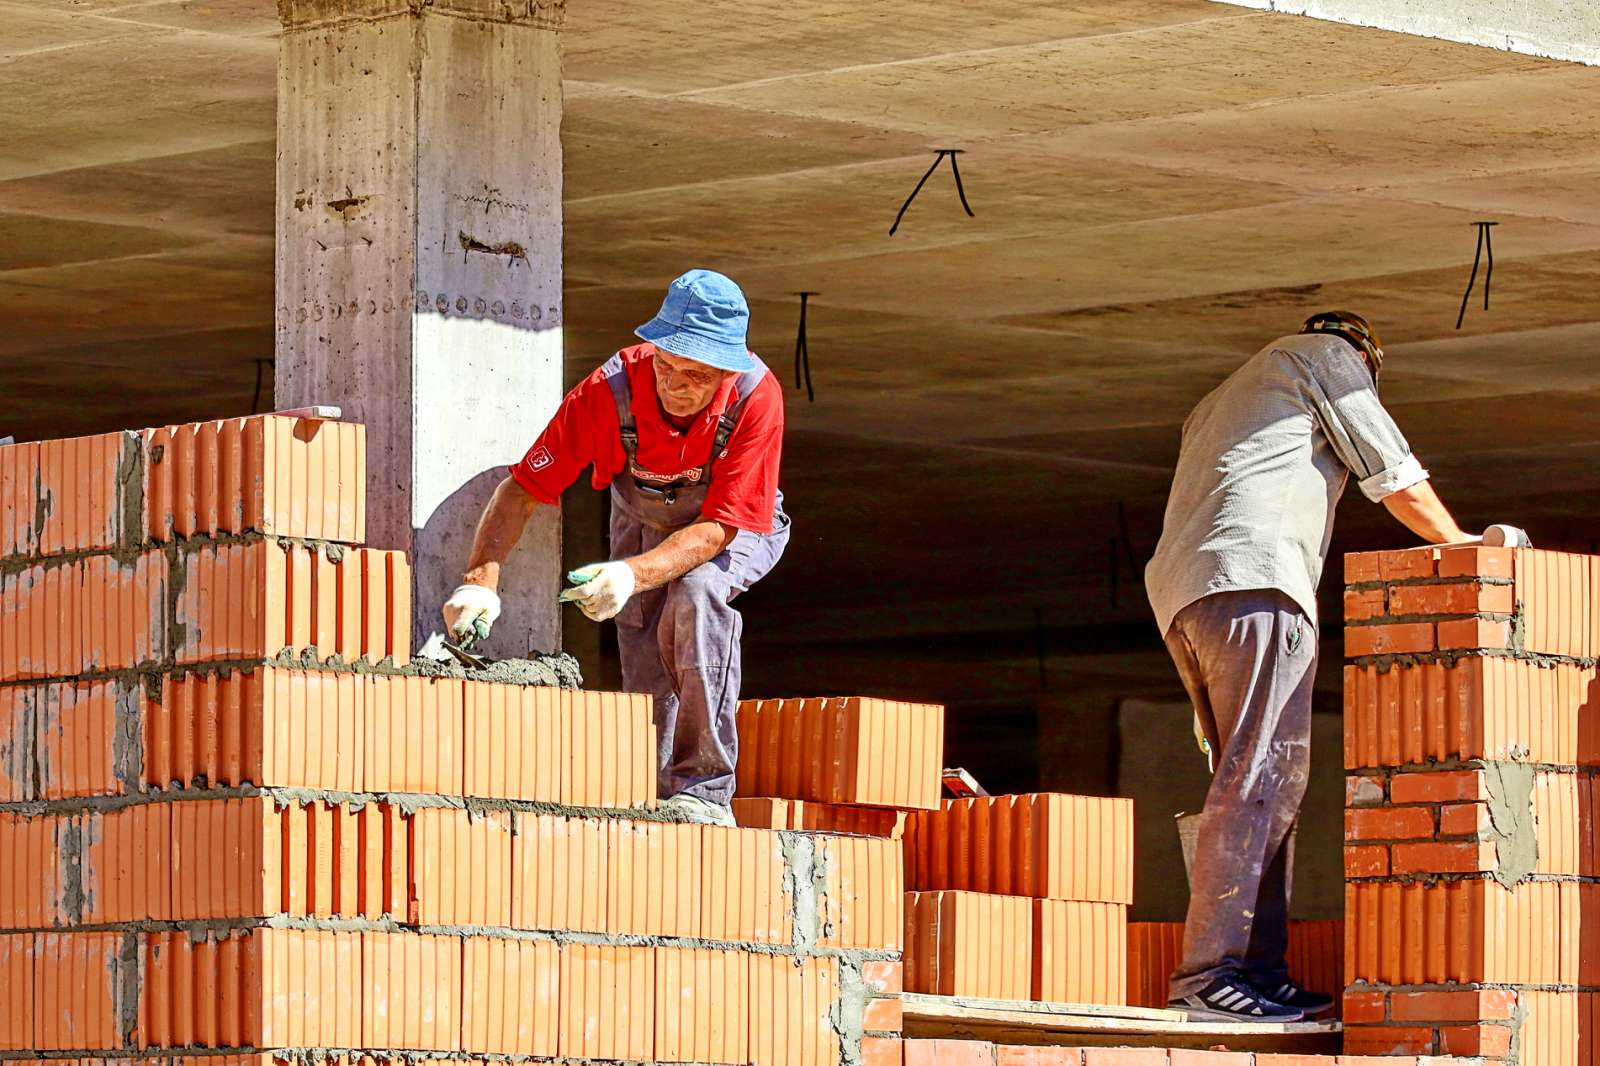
(680, 643)
(1248, 660)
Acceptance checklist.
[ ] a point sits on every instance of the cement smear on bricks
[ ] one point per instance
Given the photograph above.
(849, 1011)
(1511, 821)
(556, 670)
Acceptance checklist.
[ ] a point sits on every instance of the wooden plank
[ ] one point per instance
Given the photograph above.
(1080, 1010)
(953, 1017)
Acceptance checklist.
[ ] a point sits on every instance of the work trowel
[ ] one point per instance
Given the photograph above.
(441, 650)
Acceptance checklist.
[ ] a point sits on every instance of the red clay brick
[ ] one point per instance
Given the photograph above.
(1476, 562)
(968, 944)
(1442, 858)
(862, 751)
(883, 1015)
(77, 983)
(1495, 1004)
(1469, 597)
(884, 975)
(743, 895)
(1080, 952)
(1398, 639)
(1493, 1041)
(254, 601)
(1184, 1057)
(702, 1006)
(1124, 1056)
(1362, 604)
(1388, 823)
(1439, 786)
(18, 1008)
(1030, 1055)
(882, 1051)
(1408, 563)
(1463, 819)
(515, 741)
(1367, 860)
(411, 992)
(1361, 567)
(790, 1011)
(1364, 1007)
(860, 904)
(1387, 1040)
(560, 873)
(1047, 845)
(87, 615)
(511, 1004)
(949, 1053)
(1471, 633)
(270, 474)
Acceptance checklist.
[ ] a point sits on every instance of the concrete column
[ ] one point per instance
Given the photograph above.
(419, 267)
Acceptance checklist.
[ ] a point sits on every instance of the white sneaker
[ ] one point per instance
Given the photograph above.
(696, 810)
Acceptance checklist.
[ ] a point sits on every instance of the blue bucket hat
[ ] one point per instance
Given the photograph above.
(703, 318)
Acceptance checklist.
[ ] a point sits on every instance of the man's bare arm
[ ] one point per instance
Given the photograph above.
(1419, 509)
(680, 553)
(504, 518)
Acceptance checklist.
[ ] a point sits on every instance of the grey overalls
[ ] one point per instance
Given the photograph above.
(680, 643)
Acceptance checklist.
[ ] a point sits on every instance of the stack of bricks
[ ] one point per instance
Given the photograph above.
(237, 824)
(1021, 898)
(1315, 958)
(858, 767)
(1470, 848)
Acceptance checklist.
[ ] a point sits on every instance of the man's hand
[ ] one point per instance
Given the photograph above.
(603, 589)
(469, 613)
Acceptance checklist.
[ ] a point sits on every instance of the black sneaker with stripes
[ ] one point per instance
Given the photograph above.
(1292, 995)
(1233, 999)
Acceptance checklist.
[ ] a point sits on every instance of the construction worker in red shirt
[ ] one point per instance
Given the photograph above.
(687, 431)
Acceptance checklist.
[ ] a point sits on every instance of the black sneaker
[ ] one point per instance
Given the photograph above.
(1233, 999)
(1292, 995)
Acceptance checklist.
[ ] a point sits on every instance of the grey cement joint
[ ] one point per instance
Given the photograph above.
(544, 670)
(1451, 657)
(318, 1056)
(1465, 579)
(205, 930)
(408, 802)
(1406, 619)
(849, 1010)
(1388, 772)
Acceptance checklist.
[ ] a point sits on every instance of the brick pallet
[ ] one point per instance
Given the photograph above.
(1471, 907)
(238, 826)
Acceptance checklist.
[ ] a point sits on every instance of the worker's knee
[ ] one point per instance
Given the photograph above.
(706, 584)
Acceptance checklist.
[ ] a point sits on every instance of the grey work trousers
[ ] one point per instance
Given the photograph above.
(680, 643)
(1248, 660)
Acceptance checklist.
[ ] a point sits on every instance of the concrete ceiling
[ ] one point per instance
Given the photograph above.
(1160, 186)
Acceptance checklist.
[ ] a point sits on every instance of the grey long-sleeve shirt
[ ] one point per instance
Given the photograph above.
(1264, 460)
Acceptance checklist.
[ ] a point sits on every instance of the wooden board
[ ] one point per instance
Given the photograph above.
(1001, 1021)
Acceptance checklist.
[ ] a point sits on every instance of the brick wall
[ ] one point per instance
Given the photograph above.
(1471, 907)
(234, 819)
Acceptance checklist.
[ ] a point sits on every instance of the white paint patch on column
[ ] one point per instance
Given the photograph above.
(1554, 29)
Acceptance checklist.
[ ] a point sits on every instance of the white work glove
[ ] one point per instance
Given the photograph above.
(469, 612)
(602, 589)
(1504, 536)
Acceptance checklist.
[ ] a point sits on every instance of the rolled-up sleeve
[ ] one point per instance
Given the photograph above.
(1361, 431)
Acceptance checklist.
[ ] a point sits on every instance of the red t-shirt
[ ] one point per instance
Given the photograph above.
(744, 481)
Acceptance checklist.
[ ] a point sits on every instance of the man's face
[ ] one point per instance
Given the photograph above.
(684, 386)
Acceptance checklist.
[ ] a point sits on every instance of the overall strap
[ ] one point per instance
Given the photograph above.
(616, 373)
(730, 418)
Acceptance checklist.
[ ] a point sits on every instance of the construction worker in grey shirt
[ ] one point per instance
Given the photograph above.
(1233, 581)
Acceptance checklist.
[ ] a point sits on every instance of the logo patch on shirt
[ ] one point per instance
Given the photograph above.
(540, 458)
